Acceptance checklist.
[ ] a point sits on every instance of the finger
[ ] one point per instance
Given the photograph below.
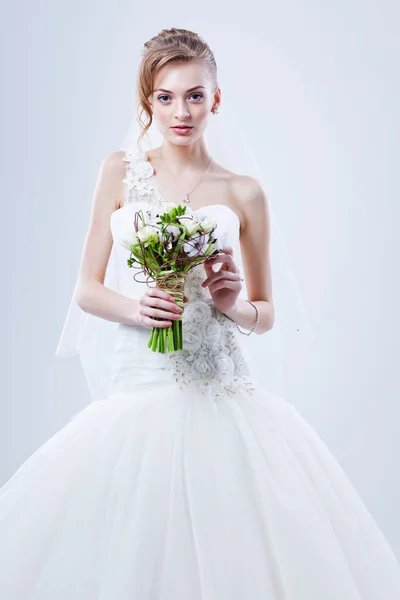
(223, 275)
(228, 249)
(162, 314)
(150, 323)
(156, 302)
(225, 259)
(225, 284)
(225, 250)
(155, 292)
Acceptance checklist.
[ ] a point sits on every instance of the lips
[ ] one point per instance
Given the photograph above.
(179, 130)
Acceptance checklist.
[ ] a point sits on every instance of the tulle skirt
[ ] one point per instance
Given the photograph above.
(161, 495)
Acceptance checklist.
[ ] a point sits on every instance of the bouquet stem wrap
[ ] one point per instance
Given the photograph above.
(169, 339)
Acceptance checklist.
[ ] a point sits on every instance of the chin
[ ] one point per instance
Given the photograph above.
(180, 141)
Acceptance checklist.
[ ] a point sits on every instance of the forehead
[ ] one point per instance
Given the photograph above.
(181, 76)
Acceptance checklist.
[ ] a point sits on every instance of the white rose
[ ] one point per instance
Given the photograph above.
(128, 238)
(203, 366)
(143, 169)
(190, 224)
(191, 341)
(211, 332)
(128, 242)
(225, 368)
(129, 180)
(147, 234)
(138, 156)
(196, 312)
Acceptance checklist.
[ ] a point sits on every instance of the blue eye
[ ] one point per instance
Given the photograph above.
(167, 96)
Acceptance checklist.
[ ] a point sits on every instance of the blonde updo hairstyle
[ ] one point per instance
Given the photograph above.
(168, 46)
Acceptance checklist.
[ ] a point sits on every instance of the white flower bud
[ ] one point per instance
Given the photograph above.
(207, 224)
(191, 225)
(128, 237)
(147, 235)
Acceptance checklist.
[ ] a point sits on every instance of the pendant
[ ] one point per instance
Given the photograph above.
(186, 198)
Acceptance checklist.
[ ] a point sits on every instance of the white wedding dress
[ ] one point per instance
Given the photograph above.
(188, 482)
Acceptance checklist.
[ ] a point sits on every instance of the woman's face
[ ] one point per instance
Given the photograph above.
(183, 94)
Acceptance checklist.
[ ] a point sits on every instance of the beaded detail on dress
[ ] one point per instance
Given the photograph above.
(211, 358)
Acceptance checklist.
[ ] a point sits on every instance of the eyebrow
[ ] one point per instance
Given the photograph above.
(191, 89)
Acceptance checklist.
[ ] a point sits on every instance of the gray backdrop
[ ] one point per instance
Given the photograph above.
(320, 82)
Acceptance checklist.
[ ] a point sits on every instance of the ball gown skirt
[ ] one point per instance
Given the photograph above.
(166, 490)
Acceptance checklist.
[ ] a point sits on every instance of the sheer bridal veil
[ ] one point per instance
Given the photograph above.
(93, 338)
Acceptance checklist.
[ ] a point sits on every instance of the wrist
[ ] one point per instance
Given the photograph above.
(246, 314)
(232, 312)
(132, 314)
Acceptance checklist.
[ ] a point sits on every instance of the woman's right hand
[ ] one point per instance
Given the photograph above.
(157, 303)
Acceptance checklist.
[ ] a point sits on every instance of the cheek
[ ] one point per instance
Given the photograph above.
(162, 118)
(203, 113)
(200, 118)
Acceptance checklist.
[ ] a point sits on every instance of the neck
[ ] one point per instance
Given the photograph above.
(192, 156)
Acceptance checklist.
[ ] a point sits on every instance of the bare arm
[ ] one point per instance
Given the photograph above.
(255, 249)
(92, 296)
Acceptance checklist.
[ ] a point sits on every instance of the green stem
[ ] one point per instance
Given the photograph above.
(180, 342)
(171, 340)
(150, 342)
(155, 339)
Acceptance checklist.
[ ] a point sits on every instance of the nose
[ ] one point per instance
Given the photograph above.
(182, 112)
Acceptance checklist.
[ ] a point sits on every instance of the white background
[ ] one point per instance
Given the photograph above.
(319, 82)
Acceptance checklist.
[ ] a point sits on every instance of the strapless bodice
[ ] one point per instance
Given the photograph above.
(211, 359)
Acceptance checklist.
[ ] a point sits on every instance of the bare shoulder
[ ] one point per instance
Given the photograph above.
(249, 197)
(115, 160)
(113, 165)
(112, 173)
(244, 189)
(247, 190)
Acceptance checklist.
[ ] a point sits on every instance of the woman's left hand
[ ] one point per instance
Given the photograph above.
(225, 284)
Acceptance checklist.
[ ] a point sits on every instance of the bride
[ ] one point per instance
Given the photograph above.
(187, 479)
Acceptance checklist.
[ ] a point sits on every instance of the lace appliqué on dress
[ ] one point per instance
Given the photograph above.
(140, 181)
(212, 359)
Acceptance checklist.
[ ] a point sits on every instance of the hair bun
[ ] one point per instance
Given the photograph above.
(176, 31)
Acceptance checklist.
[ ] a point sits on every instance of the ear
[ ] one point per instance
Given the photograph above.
(217, 99)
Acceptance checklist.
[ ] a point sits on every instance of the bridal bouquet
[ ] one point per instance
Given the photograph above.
(165, 247)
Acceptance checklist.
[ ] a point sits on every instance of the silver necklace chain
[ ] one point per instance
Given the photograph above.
(187, 194)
